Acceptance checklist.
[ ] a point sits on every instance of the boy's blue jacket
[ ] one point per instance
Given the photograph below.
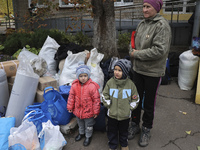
(120, 97)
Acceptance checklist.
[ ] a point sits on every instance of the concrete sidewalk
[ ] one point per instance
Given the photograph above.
(175, 114)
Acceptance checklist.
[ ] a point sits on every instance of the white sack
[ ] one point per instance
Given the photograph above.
(4, 93)
(48, 52)
(188, 67)
(23, 91)
(50, 137)
(25, 135)
(38, 64)
(96, 71)
(68, 74)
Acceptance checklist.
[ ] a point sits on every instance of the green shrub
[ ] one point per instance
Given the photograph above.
(81, 39)
(124, 40)
(36, 39)
(31, 49)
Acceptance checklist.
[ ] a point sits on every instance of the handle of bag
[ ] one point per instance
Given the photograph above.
(47, 88)
(26, 116)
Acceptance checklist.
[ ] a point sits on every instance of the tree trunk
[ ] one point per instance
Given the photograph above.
(104, 38)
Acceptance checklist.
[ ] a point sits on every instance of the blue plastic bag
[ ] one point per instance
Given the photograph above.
(56, 105)
(5, 125)
(64, 91)
(37, 117)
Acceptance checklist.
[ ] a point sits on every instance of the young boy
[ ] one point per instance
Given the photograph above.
(120, 97)
(84, 102)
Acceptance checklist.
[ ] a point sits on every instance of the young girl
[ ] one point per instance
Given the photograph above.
(120, 97)
(84, 102)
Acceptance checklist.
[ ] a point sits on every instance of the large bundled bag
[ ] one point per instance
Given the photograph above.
(68, 74)
(100, 121)
(3, 90)
(24, 137)
(38, 64)
(23, 90)
(5, 125)
(188, 68)
(55, 105)
(96, 71)
(48, 52)
(51, 138)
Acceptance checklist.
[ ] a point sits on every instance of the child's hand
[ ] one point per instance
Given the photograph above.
(70, 111)
(95, 116)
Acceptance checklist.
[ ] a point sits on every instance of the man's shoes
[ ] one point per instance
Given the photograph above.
(145, 137)
(79, 137)
(87, 141)
(125, 148)
(133, 130)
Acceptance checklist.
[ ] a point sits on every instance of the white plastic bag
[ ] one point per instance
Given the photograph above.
(38, 64)
(68, 74)
(24, 136)
(96, 71)
(48, 52)
(188, 67)
(50, 137)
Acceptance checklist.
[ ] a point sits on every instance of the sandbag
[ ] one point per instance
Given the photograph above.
(38, 64)
(68, 74)
(188, 68)
(48, 52)
(4, 92)
(23, 91)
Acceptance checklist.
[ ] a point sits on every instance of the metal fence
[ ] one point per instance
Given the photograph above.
(126, 16)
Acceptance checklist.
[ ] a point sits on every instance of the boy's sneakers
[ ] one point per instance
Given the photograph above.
(133, 130)
(145, 137)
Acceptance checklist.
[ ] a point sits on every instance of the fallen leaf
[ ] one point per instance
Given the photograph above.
(198, 147)
(183, 112)
(188, 132)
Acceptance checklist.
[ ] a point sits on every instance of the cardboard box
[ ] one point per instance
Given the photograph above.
(39, 95)
(10, 67)
(46, 81)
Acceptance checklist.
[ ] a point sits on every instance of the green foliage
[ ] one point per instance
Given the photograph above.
(31, 49)
(1, 47)
(81, 39)
(16, 41)
(3, 7)
(36, 39)
(124, 40)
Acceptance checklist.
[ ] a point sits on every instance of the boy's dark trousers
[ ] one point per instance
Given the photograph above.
(117, 131)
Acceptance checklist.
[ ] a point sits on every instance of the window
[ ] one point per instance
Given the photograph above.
(39, 4)
(123, 2)
(178, 6)
(63, 4)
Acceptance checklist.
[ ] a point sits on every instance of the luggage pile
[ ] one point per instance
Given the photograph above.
(34, 90)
